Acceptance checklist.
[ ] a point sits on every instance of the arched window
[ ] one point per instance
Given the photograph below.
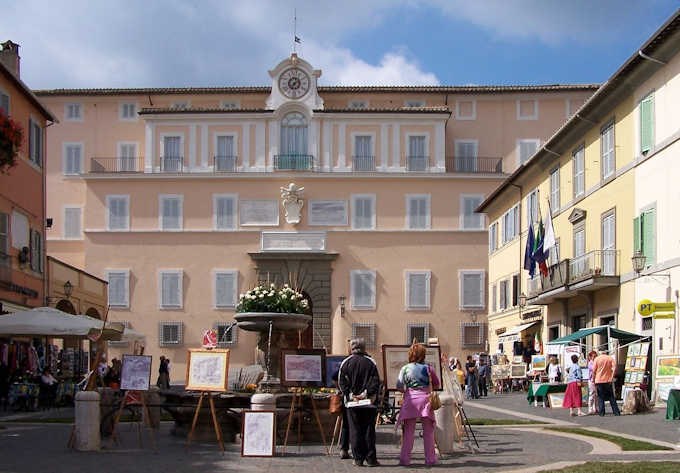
(294, 134)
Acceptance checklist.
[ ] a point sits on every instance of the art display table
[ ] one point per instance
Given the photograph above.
(673, 405)
(23, 395)
(543, 391)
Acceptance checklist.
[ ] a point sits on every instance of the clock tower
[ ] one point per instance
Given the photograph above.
(294, 80)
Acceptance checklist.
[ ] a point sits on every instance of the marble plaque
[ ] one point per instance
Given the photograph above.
(293, 241)
(259, 212)
(328, 212)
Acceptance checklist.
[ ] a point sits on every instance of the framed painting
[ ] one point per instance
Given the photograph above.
(538, 362)
(303, 368)
(332, 365)
(626, 379)
(136, 373)
(644, 349)
(639, 375)
(584, 395)
(518, 370)
(258, 433)
(667, 366)
(642, 362)
(517, 359)
(500, 371)
(556, 400)
(663, 390)
(634, 349)
(396, 356)
(207, 370)
(585, 374)
(633, 362)
(629, 360)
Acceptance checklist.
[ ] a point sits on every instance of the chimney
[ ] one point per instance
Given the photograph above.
(9, 56)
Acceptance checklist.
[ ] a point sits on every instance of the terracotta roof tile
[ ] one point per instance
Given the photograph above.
(161, 110)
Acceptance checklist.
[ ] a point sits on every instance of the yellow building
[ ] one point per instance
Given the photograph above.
(586, 173)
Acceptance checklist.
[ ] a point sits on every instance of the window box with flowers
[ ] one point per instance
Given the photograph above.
(11, 135)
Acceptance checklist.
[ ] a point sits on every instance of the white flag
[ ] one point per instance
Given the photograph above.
(549, 238)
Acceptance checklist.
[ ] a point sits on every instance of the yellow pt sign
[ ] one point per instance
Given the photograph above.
(660, 310)
(646, 307)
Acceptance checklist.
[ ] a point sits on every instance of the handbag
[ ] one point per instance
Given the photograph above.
(435, 402)
(335, 404)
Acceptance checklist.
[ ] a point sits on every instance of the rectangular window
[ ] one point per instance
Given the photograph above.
(119, 287)
(127, 111)
(466, 110)
(466, 155)
(224, 211)
(526, 149)
(417, 290)
(503, 300)
(73, 156)
(510, 224)
(493, 237)
(364, 154)
(472, 334)
(171, 283)
(363, 211)
(230, 105)
(515, 290)
(555, 189)
(644, 228)
(579, 165)
(418, 211)
(608, 151)
(226, 285)
(362, 289)
(170, 334)
(180, 105)
(227, 334)
(527, 110)
(494, 301)
(327, 212)
(225, 146)
(553, 332)
(532, 205)
(647, 124)
(470, 220)
(73, 223)
(172, 160)
(4, 103)
(609, 243)
(418, 332)
(171, 209)
(118, 212)
(4, 239)
(20, 230)
(471, 289)
(35, 143)
(36, 251)
(365, 330)
(127, 157)
(358, 104)
(414, 103)
(258, 212)
(73, 112)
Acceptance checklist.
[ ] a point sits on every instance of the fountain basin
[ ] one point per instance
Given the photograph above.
(259, 321)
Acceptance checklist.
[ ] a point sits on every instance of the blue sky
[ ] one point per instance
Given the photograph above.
(130, 43)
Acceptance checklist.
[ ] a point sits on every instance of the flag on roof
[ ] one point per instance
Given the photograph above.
(298, 40)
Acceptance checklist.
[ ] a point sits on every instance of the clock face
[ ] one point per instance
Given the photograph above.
(294, 83)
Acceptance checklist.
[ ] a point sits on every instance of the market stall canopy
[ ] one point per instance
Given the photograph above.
(50, 322)
(621, 335)
(512, 335)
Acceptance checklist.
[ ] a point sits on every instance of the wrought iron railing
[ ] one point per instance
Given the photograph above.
(416, 163)
(363, 163)
(293, 162)
(172, 164)
(225, 163)
(123, 164)
(593, 263)
(558, 276)
(474, 164)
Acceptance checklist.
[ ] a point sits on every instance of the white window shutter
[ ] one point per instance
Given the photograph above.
(472, 291)
(225, 288)
(418, 290)
(225, 209)
(4, 235)
(119, 288)
(363, 289)
(72, 223)
(171, 289)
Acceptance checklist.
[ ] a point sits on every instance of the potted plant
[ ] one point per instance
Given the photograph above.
(284, 300)
(11, 135)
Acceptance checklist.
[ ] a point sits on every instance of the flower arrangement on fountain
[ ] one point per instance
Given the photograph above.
(285, 300)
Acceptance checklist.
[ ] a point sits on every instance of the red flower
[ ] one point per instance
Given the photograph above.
(11, 136)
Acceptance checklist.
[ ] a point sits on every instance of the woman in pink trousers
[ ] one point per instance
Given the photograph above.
(415, 380)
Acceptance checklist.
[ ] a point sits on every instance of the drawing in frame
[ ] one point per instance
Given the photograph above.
(258, 433)
(518, 370)
(634, 349)
(627, 377)
(500, 371)
(628, 362)
(396, 356)
(538, 362)
(135, 374)
(303, 368)
(667, 366)
(207, 370)
(332, 365)
(556, 400)
(644, 349)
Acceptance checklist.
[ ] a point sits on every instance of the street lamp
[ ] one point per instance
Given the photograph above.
(638, 260)
(68, 289)
(522, 300)
(341, 300)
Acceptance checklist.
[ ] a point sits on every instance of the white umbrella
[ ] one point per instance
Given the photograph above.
(50, 322)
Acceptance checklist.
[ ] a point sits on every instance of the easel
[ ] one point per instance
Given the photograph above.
(145, 412)
(467, 426)
(297, 401)
(218, 430)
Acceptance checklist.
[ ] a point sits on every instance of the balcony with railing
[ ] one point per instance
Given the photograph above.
(225, 163)
(121, 164)
(173, 164)
(293, 162)
(416, 163)
(363, 163)
(594, 264)
(474, 165)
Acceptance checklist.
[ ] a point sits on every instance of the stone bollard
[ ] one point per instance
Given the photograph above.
(263, 402)
(87, 421)
(445, 432)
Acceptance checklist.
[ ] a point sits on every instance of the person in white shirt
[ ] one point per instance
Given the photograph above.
(554, 371)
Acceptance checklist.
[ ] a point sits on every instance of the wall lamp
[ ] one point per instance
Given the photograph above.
(68, 289)
(341, 301)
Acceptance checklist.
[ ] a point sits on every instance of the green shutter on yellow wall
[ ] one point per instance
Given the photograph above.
(646, 123)
(637, 242)
(649, 236)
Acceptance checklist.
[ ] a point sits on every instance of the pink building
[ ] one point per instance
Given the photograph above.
(174, 196)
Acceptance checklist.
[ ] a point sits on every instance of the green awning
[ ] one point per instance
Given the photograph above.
(621, 335)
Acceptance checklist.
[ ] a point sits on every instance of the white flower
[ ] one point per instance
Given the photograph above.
(272, 285)
(286, 286)
(284, 296)
(261, 296)
(271, 293)
(240, 296)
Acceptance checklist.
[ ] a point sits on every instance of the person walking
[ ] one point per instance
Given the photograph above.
(163, 381)
(483, 378)
(416, 380)
(359, 382)
(604, 374)
(572, 397)
(592, 390)
(470, 381)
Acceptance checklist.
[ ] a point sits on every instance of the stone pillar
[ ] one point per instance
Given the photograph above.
(87, 421)
(445, 432)
(263, 402)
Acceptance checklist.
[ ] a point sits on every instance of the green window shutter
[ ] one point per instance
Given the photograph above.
(649, 236)
(637, 242)
(646, 123)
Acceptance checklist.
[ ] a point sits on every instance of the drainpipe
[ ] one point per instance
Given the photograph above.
(519, 278)
(649, 58)
(43, 256)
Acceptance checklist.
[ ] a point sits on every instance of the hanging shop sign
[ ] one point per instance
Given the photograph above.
(501, 330)
(659, 310)
(532, 314)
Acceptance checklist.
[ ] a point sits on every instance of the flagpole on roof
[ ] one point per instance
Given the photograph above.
(294, 29)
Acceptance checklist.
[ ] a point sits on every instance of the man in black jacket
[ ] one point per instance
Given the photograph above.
(359, 382)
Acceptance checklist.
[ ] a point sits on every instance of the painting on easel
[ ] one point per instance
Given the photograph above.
(136, 373)
(258, 434)
(207, 370)
(303, 368)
